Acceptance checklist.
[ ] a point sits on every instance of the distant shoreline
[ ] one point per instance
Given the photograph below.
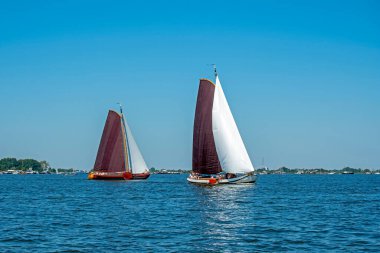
(12, 165)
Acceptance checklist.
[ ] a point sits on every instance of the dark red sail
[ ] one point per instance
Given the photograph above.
(111, 156)
(205, 158)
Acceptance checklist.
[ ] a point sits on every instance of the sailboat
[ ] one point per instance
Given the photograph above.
(119, 157)
(219, 154)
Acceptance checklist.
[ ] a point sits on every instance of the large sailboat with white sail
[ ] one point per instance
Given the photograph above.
(219, 154)
(118, 155)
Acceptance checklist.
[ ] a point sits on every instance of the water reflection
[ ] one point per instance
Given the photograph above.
(224, 212)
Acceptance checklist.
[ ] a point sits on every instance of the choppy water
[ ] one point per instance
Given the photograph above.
(318, 213)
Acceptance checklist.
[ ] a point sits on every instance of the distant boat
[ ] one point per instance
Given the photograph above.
(118, 157)
(219, 154)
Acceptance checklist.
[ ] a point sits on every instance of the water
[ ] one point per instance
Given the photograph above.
(317, 213)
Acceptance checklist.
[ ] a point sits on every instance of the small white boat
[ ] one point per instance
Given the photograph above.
(219, 154)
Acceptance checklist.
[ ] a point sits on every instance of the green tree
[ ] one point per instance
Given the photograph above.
(8, 163)
(25, 164)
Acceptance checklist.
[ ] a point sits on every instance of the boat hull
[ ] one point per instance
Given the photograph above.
(95, 175)
(243, 179)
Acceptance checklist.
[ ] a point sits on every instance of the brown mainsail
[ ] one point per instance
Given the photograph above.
(205, 157)
(111, 153)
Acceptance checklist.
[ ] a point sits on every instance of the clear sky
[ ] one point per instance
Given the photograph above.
(302, 78)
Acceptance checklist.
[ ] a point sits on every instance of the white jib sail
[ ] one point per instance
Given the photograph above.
(137, 161)
(231, 151)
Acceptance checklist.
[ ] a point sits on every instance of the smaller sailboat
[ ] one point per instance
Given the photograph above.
(119, 157)
(219, 154)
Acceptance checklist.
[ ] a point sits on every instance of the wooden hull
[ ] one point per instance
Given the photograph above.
(95, 175)
(215, 180)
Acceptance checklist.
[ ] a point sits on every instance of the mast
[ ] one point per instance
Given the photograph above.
(126, 140)
(215, 72)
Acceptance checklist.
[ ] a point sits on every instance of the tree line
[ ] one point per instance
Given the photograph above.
(23, 164)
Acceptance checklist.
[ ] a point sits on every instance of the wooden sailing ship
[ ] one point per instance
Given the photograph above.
(118, 157)
(219, 154)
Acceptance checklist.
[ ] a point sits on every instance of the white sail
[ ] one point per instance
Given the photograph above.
(231, 151)
(137, 162)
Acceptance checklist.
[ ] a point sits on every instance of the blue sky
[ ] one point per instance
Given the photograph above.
(302, 78)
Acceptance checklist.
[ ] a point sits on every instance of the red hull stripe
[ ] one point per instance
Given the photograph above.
(112, 176)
